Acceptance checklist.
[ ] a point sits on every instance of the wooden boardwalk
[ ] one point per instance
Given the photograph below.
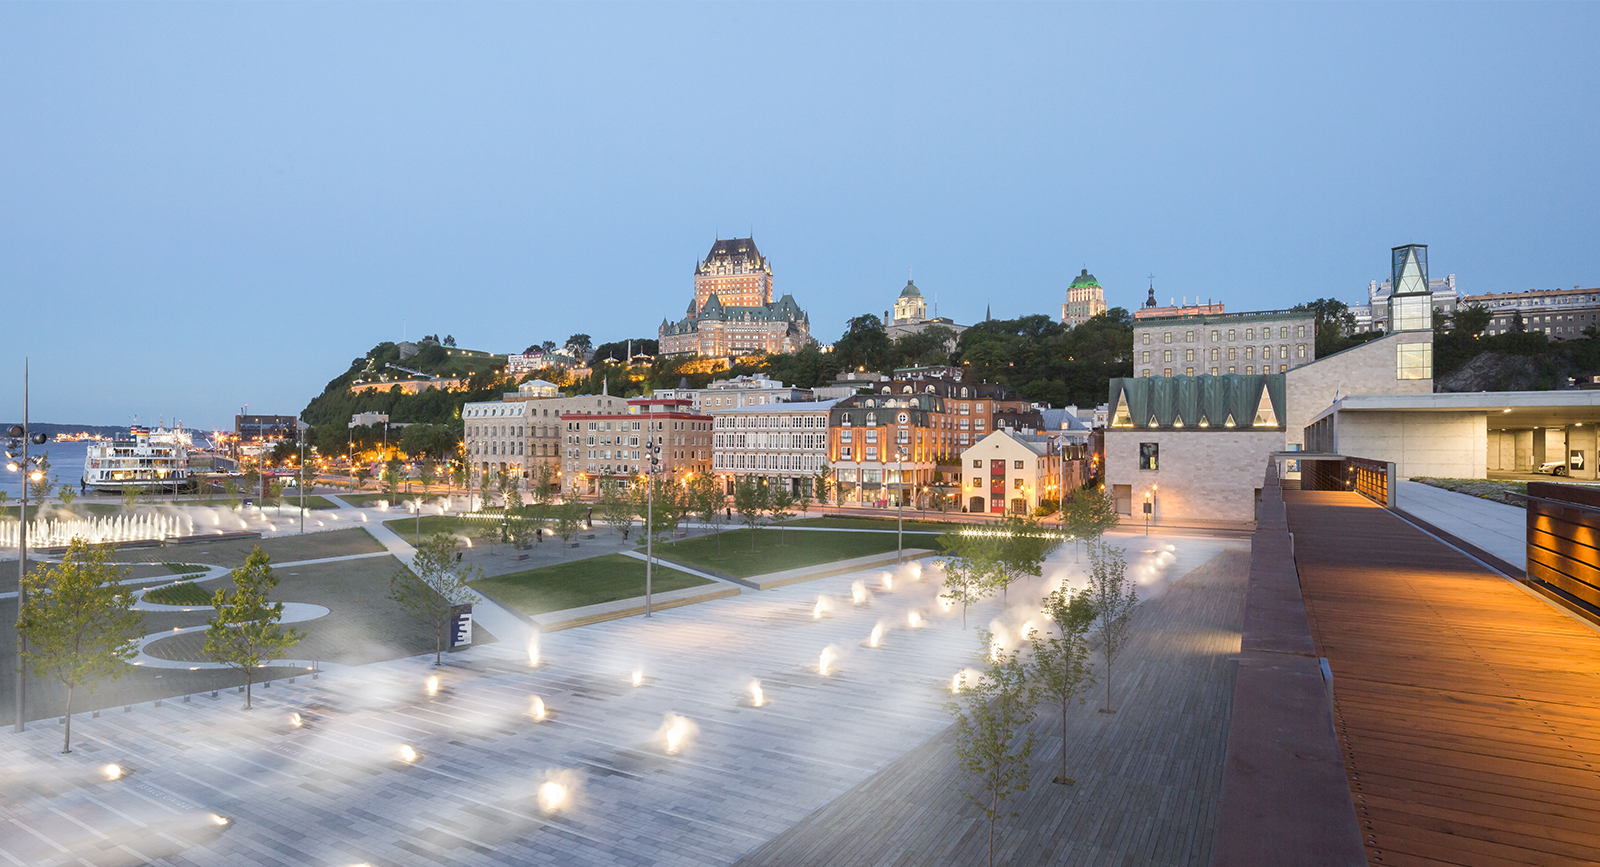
(1148, 776)
(1468, 708)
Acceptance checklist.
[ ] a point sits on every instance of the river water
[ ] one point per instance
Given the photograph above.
(66, 464)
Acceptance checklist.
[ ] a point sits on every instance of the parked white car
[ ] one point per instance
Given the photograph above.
(1554, 468)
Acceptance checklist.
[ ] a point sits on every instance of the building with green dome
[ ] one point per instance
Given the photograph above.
(911, 315)
(1086, 299)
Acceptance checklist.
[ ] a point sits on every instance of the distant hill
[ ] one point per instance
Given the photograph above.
(53, 429)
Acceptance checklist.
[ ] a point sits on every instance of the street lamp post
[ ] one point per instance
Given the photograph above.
(19, 438)
(654, 451)
(900, 507)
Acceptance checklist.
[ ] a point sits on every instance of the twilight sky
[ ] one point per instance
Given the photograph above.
(207, 206)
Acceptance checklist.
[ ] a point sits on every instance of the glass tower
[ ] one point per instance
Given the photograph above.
(1411, 303)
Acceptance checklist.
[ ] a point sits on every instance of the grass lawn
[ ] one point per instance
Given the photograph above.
(184, 568)
(836, 523)
(582, 582)
(291, 500)
(808, 548)
(181, 593)
(406, 528)
(1487, 489)
(372, 499)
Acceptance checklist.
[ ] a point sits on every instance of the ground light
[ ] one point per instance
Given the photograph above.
(756, 697)
(112, 772)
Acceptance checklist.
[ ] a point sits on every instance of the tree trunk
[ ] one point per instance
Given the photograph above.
(66, 742)
(1064, 737)
(1108, 678)
(438, 644)
(994, 806)
(249, 680)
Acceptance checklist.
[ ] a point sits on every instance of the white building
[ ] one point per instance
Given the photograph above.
(365, 419)
(516, 434)
(1561, 313)
(1009, 472)
(738, 391)
(1445, 300)
(783, 442)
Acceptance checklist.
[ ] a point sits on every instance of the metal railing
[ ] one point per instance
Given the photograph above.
(1371, 479)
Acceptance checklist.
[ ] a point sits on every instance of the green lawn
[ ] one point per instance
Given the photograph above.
(181, 593)
(851, 523)
(582, 582)
(1487, 489)
(183, 568)
(372, 499)
(803, 548)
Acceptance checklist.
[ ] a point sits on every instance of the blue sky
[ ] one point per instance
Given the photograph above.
(207, 206)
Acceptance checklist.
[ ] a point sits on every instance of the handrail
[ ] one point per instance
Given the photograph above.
(1513, 496)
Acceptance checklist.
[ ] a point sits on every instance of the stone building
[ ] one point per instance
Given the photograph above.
(732, 312)
(876, 440)
(1268, 341)
(610, 445)
(1151, 310)
(1561, 313)
(784, 443)
(911, 316)
(1086, 299)
(518, 433)
(743, 390)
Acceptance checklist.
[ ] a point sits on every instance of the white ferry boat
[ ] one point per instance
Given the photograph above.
(143, 460)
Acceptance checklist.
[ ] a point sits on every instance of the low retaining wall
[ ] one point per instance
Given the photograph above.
(1285, 792)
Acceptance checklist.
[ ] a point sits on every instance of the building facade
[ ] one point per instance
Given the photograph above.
(1086, 299)
(1269, 341)
(610, 445)
(265, 428)
(732, 312)
(1374, 315)
(517, 434)
(1007, 472)
(885, 447)
(1151, 310)
(784, 443)
(910, 316)
(1561, 313)
(738, 391)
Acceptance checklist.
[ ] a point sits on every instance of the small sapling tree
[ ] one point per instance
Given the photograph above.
(79, 622)
(990, 710)
(1114, 598)
(246, 632)
(616, 508)
(1061, 670)
(750, 501)
(434, 584)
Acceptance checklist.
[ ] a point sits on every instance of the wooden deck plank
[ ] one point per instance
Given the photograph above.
(1469, 711)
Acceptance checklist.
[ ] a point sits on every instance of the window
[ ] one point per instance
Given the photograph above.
(1166, 337)
(1249, 334)
(1188, 371)
(1299, 331)
(1300, 351)
(1146, 358)
(1249, 352)
(1149, 454)
(1188, 355)
(1166, 355)
(1144, 338)
(1166, 372)
(1414, 361)
(1283, 332)
(1016, 484)
(1232, 332)
(844, 436)
(977, 465)
(1232, 353)
(1213, 354)
(1017, 465)
(1188, 337)
(1213, 371)
(1232, 369)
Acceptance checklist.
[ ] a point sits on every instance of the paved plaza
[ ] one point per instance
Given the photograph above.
(381, 771)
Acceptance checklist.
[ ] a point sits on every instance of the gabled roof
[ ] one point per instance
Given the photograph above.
(1210, 402)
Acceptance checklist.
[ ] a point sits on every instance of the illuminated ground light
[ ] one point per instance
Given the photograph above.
(218, 820)
(536, 709)
(295, 720)
(876, 638)
(552, 796)
(858, 592)
(825, 660)
(888, 581)
(433, 685)
(914, 619)
(676, 732)
(112, 772)
(407, 754)
(756, 697)
(820, 609)
(638, 677)
(533, 652)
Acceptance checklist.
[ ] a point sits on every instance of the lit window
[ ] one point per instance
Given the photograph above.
(1149, 456)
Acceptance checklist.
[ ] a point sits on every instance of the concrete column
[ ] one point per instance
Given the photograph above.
(1524, 451)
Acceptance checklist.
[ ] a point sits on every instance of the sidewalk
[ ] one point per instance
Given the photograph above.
(1499, 529)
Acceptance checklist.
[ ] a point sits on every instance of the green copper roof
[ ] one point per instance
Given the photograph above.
(1084, 279)
(911, 291)
(1231, 401)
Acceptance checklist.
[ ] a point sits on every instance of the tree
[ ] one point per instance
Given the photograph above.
(80, 624)
(363, 473)
(1114, 598)
(750, 501)
(1021, 545)
(705, 500)
(568, 520)
(435, 583)
(245, 633)
(485, 490)
(391, 479)
(1061, 667)
(780, 505)
(989, 712)
(40, 487)
(823, 484)
(616, 507)
(667, 509)
(865, 344)
(541, 488)
(272, 494)
(449, 340)
(308, 473)
(1333, 322)
(67, 495)
(579, 345)
(230, 495)
(1516, 321)
(1087, 515)
(967, 580)
(426, 475)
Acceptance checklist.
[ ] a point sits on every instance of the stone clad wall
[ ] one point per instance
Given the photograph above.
(1448, 445)
(1204, 474)
(1366, 369)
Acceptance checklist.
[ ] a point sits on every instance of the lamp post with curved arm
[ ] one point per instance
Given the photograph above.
(32, 470)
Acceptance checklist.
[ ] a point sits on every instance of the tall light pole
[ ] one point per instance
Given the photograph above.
(654, 451)
(17, 451)
(900, 507)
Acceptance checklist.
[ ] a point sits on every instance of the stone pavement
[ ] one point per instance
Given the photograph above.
(207, 784)
(1497, 528)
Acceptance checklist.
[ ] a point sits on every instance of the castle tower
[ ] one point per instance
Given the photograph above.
(736, 272)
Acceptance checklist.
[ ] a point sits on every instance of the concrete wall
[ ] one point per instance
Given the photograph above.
(1450, 445)
(1582, 439)
(1203, 475)
(1366, 369)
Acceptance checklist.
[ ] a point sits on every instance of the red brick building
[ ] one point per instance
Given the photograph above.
(612, 446)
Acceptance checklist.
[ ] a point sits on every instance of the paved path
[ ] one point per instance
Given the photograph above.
(1497, 528)
(1466, 703)
(1148, 777)
(335, 790)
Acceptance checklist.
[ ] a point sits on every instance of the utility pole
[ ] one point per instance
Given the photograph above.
(22, 564)
(654, 451)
